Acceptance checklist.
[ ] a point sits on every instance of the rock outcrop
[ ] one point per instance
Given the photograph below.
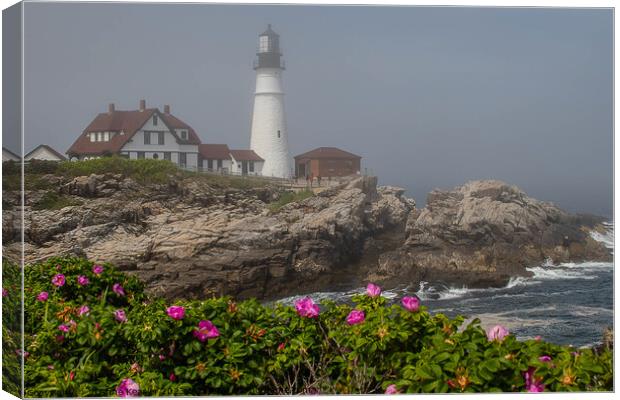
(484, 232)
(193, 238)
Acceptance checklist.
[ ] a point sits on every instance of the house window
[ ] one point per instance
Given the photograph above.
(160, 138)
(219, 164)
(140, 155)
(182, 158)
(99, 136)
(251, 166)
(184, 135)
(93, 136)
(106, 136)
(147, 137)
(278, 133)
(155, 156)
(209, 164)
(155, 120)
(167, 156)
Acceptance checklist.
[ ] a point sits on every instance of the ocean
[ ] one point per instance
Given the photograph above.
(569, 303)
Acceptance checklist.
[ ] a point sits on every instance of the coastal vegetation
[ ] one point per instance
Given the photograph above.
(290, 197)
(91, 330)
(147, 171)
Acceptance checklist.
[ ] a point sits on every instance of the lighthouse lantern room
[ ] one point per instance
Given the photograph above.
(269, 138)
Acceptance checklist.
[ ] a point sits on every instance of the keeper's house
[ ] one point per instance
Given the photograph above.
(327, 162)
(138, 134)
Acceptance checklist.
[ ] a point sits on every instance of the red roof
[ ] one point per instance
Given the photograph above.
(128, 122)
(245, 155)
(327, 152)
(214, 151)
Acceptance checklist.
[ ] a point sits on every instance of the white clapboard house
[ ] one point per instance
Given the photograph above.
(150, 133)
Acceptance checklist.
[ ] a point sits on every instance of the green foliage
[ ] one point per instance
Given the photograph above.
(290, 197)
(143, 171)
(268, 349)
(54, 201)
(11, 328)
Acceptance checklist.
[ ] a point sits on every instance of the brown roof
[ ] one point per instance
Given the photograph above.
(327, 152)
(214, 151)
(245, 155)
(128, 122)
(175, 123)
(48, 148)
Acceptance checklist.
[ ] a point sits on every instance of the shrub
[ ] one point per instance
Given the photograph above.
(54, 201)
(290, 197)
(218, 346)
(144, 171)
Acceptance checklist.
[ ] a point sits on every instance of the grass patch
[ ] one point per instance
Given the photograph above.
(290, 197)
(143, 171)
(55, 201)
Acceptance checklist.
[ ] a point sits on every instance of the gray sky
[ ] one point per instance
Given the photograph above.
(429, 97)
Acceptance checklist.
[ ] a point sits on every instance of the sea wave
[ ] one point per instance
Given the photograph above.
(607, 237)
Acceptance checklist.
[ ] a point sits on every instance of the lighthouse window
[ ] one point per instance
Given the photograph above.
(278, 133)
(263, 44)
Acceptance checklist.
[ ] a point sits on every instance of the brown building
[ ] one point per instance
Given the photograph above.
(327, 162)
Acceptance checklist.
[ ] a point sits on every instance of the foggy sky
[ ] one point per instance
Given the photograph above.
(429, 97)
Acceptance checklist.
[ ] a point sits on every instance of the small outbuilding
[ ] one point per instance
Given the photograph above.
(8, 155)
(45, 153)
(327, 162)
(246, 162)
(214, 157)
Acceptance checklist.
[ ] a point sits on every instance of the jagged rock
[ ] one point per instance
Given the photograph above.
(189, 238)
(490, 228)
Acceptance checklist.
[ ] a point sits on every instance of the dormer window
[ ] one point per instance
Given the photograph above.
(184, 135)
(93, 137)
(99, 136)
(155, 120)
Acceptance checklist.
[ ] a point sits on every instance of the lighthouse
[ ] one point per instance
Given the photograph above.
(269, 138)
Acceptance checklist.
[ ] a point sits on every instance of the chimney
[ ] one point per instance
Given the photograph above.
(166, 109)
(142, 105)
(110, 108)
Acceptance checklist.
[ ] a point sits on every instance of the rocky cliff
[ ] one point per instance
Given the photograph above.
(190, 238)
(484, 232)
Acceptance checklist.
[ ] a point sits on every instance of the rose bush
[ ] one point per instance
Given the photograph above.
(127, 344)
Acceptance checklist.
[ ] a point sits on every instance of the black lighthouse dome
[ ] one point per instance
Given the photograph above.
(269, 50)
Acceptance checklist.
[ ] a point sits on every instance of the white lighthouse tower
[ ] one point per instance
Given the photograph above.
(269, 138)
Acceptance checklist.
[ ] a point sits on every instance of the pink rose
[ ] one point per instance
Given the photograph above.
(58, 280)
(97, 269)
(411, 303)
(63, 328)
(82, 280)
(83, 310)
(43, 296)
(373, 290)
(498, 333)
(355, 317)
(206, 330)
(391, 390)
(118, 289)
(306, 308)
(120, 316)
(532, 384)
(176, 312)
(128, 388)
